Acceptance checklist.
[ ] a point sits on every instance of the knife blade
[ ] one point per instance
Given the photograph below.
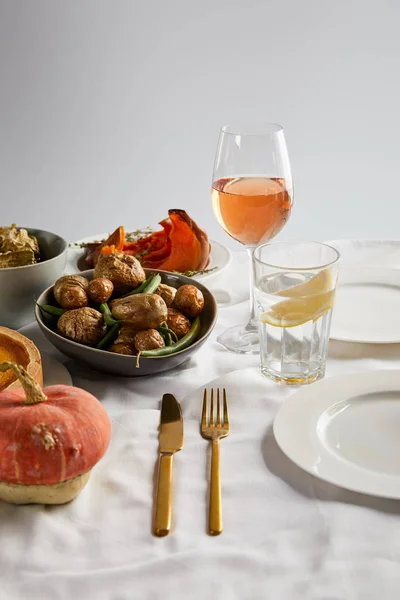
(171, 441)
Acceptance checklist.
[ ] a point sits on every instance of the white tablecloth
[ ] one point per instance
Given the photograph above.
(286, 536)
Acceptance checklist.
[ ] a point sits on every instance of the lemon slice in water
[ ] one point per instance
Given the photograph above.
(305, 302)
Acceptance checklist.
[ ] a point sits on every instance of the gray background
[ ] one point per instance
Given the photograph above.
(110, 110)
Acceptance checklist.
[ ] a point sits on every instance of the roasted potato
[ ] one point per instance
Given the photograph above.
(189, 300)
(125, 344)
(149, 339)
(141, 311)
(126, 334)
(100, 290)
(177, 322)
(125, 272)
(127, 349)
(70, 291)
(83, 325)
(166, 292)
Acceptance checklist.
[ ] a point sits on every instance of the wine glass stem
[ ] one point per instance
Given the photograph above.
(252, 325)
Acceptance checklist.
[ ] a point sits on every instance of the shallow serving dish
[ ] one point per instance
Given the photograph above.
(119, 364)
(19, 285)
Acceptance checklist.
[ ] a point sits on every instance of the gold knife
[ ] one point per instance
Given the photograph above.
(171, 440)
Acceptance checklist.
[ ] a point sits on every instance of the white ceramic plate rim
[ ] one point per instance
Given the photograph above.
(220, 255)
(368, 276)
(372, 273)
(295, 430)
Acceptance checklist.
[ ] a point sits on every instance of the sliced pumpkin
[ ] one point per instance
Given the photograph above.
(179, 246)
(116, 240)
(201, 236)
(15, 347)
(185, 250)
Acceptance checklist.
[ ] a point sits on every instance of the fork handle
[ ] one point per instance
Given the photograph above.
(162, 522)
(215, 511)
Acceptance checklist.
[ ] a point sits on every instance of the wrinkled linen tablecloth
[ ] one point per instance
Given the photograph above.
(286, 536)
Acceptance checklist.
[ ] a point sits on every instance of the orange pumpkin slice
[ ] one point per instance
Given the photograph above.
(114, 243)
(179, 246)
(188, 245)
(15, 347)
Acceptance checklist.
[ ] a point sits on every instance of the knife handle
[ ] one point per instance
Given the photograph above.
(162, 524)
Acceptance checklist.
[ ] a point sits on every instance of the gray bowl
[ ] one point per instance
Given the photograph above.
(19, 285)
(119, 364)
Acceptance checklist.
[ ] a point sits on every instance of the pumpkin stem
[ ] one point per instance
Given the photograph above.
(33, 391)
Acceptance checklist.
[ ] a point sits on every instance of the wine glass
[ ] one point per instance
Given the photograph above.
(252, 196)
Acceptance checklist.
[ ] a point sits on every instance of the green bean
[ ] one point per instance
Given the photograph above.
(107, 315)
(184, 342)
(56, 311)
(147, 287)
(165, 334)
(109, 337)
(151, 287)
(139, 289)
(165, 328)
(173, 336)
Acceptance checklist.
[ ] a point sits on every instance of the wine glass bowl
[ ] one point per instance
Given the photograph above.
(252, 210)
(252, 197)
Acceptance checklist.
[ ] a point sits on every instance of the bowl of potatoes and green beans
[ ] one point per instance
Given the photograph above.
(122, 319)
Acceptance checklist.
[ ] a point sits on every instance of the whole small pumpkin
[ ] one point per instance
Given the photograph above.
(50, 440)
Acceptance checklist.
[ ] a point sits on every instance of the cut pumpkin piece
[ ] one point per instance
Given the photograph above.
(15, 347)
(186, 248)
(202, 237)
(179, 246)
(116, 240)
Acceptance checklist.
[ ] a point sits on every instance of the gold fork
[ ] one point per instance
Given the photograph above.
(215, 430)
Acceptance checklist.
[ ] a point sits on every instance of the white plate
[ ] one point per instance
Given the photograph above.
(54, 372)
(220, 256)
(345, 430)
(368, 294)
(367, 306)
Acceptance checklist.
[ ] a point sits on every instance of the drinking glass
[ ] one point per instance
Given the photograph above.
(294, 289)
(252, 196)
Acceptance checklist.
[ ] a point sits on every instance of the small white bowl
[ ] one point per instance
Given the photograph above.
(20, 285)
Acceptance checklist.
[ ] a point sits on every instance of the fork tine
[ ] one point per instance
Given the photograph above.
(218, 410)
(226, 416)
(204, 412)
(212, 408)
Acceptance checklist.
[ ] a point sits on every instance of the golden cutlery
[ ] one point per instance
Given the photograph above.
(171, 440)
(214, 430)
